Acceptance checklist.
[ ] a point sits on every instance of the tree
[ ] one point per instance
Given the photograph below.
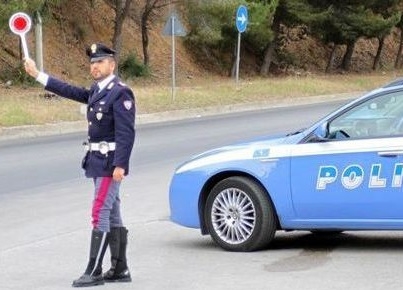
(149, 12)
(338, 23)
(398, 59)
(266, 30)
(258, 33)
(386, 15)
(122, 9)
(7, 9)
(212, 30)
(288, 13)
(399, 25)
(213, 33)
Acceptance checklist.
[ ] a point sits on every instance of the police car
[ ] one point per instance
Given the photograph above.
(345, 172)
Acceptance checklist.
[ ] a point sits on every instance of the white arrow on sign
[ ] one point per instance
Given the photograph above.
(242, 18)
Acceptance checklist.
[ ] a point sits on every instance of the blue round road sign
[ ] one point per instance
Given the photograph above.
(241, 20)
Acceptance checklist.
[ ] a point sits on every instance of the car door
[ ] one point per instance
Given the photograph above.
(355, 175)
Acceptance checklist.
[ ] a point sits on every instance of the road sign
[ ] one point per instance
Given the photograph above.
(20, 24)
(174, 26)
(241, 20)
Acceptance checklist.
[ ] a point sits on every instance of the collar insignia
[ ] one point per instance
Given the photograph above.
(110, 85)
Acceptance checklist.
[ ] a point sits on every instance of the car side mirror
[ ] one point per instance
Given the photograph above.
(321, 133)
(323, 130)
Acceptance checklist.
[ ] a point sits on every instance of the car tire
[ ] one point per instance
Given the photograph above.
(239, 215)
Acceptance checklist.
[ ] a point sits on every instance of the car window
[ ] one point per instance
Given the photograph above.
(380, 116)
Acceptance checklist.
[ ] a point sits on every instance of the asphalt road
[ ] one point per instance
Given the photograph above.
(45, 218)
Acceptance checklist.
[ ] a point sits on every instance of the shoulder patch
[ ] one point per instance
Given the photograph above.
(128, 104)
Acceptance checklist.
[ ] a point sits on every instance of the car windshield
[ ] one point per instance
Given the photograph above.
(379, 116)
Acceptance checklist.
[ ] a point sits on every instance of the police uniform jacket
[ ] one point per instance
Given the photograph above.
(111, 117)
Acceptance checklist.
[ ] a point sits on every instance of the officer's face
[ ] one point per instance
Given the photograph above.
(102, 68)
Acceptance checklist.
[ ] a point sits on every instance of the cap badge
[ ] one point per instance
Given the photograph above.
(94, 48)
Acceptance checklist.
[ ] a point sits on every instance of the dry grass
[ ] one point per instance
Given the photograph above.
(28, 106)
(218, 92)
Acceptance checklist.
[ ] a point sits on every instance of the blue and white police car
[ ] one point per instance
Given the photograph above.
(345, 172)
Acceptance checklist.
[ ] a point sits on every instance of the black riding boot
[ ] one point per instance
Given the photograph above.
(119, 272)
(93, 274)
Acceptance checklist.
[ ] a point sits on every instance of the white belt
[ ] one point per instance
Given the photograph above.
(103, 147)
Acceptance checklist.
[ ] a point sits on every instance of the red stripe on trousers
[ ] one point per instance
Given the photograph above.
(100, 200)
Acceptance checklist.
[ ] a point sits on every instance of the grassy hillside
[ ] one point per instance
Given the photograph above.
(68, 30)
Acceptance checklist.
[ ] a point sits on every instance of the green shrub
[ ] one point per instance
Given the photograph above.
(130, 68)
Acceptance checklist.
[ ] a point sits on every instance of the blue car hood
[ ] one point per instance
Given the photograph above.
(254, 149)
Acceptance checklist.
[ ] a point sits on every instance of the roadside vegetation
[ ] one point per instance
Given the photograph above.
(34, 106)
(291, 49)
(275, 42)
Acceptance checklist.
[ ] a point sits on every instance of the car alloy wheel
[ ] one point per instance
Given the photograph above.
(233, 216)
(239, 215)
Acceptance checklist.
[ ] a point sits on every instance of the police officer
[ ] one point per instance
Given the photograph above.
(110, 115)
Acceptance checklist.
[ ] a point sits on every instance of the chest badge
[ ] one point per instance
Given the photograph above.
(99, 116)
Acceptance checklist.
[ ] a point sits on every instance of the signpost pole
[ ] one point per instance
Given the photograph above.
(241, 21)
(173, 59)
(173, 27)
(238, 57)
